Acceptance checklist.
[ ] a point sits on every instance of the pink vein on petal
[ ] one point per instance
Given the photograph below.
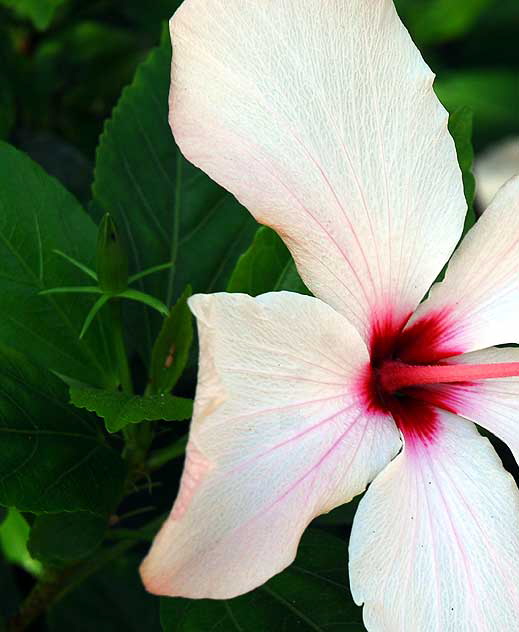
(295, 378)
(314, 467)
(304, 432)
(457, 537)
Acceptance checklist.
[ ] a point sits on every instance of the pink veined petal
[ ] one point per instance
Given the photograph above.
(479, 299)
(435, 541)
(279, 435)
(322, 120)
(494, 403)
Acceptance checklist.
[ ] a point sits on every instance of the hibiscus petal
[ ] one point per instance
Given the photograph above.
(493, 404)
(279, 435)
(322, 121)
(435, 542)
(478, 302)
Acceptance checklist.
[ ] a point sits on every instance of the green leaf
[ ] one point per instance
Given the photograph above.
(169, 210)
(171, 349)
(120, 409)
(460, 127)
(437, 21)
(150, 15)
(310, 595)
(110, 601)
(38, 216)
(342, 515)
(52, 457)
(66, 536)
(14, 534)
(490, 93)
(40, 12)
(265, 267)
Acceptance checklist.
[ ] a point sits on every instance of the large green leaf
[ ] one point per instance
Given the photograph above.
(53, 458)
(14, 534)
(66, 536)
(120, 409)
(37, 215)
(110, 601)
(492, 94)
(436, 21)
(40, 12)
(170, 210)
(311, 595)
(342, 515)
(265, 267)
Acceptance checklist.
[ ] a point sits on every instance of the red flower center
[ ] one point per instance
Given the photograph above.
(409, 378)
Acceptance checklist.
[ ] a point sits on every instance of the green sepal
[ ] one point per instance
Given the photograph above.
(78, 289)
(142, 297)
(101, 301)
(149, 271)
(76, 263)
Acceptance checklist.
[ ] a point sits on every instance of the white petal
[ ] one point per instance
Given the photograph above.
(478, 301)
(320, 117)
(279, 435)
(435, 542)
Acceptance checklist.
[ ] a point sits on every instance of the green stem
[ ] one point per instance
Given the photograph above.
(125, 377)
(54, 586)
(164, 455)
(44, 593)
(136, 438)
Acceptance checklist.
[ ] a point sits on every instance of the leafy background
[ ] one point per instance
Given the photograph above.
(87, 471)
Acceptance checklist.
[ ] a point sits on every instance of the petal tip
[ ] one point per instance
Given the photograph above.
(153, 580)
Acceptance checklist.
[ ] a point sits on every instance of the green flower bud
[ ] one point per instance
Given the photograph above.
(112, 261)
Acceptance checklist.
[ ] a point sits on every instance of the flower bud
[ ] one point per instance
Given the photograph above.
(112, 261)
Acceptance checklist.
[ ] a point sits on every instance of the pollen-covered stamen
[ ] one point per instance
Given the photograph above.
(394, 376)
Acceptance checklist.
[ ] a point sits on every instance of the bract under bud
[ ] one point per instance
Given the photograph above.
(112, 260)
